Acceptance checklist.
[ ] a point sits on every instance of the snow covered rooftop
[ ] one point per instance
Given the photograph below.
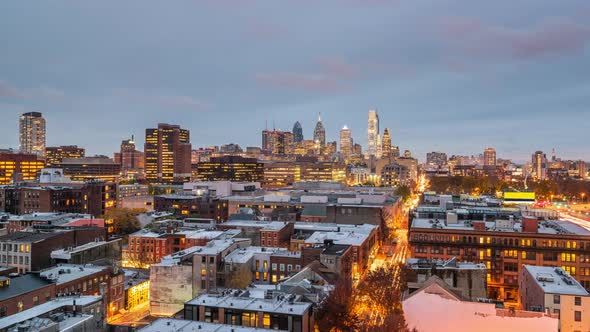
(432, 310)
(64, 273)
(67, 253)
(343, 237)
(178, 325)
(554, 280)
(279, 305)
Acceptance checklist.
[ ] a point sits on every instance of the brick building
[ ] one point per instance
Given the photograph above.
(24, 292)
(503, 241)
(195, 206)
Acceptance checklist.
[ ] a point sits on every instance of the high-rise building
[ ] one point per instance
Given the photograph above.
(345, 142)
(55, 154)
(357, 150)
(436, 158)
(319, 133)
(386, 144)
(539, 162)
(32, 133)
(297, 132)
(582, 169)
(167, 154)
(91, 168)
(277, 142)
(131, 160)
(330, 148)
(373, 134)
(230, 168)
(489, 157)
(395, 151)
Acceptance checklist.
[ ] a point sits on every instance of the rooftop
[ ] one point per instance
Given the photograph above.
(27, 237)
(214, 247)
(64, 273)
(264, 225)
(178, 325)
(278, 305)
(67, 253)
(343, 237)
(554, 280)
(47, 307)
(22, 285)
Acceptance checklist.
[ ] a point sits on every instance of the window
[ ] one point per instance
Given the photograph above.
(203, 272)
(265, 265)
(35, 300)
(282, 267)
(266, 321)
(578, 316)
(556, 299)
(257, 275)
(578, 301)
(274, 266)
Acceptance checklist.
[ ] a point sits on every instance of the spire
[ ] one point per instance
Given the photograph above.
(320, 117)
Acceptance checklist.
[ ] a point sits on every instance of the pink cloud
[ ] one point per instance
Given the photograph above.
(8, 91)
(306, 82)
(338, 67)
(555, 36)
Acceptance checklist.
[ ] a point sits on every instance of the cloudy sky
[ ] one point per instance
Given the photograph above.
(450, 75)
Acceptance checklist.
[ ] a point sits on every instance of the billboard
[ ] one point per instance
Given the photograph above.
(527, 197)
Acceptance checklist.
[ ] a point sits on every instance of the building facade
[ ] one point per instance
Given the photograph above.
(32, 133)
(167, 154)
(54, 155)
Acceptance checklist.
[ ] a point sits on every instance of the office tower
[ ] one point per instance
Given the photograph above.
(277, 142)
(539, 165)
(489, 157)
(32, 133)
(345, 142)
(17, 167)
(373, 134)
(386, 145)
(319, 133)
(582, 169)
(297, 132)
(539, 162)
(167, 154)
(330, 148)
(91, 168)
(357, 150)
(131, 160)
(230, 168)
(395, 151)
(436, 158)
(55, 154)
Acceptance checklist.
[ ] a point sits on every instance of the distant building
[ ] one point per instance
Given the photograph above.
(202, 206)
(277, 142)
(297, 132)
(230, 168)
(373, 137)
(346, 143)
(386, 144)
(91, 168)
(539, 162)
(319, 133)
(167, 154)
(54, 155)
(32, 133)
(131, 160)
(436, 158)
(489, 157)
(280, 174)
(395, 174)
(545, 288)
(18, 167)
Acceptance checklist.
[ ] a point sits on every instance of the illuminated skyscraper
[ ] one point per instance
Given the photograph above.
(32, 133)
(277, 142)
(373, 134)
(55, 154)
(319, 133)
(489, 157)
(167, 154)
(297, 132)
(539, 161)
(345, 142)
(386, 146)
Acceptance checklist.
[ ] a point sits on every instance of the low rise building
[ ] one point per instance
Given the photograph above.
(88, 253)
(191, 205)
(466, 280)
(24, 292)
(166, 324)
(551, 289)
(281, 313)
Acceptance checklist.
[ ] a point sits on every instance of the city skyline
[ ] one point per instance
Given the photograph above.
(509, 94)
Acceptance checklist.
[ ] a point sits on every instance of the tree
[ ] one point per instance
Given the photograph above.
(240, 278)
(335, 313)
(123, 221)
(404, 192)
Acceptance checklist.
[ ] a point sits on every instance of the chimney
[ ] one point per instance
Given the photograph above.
(530, 224)
(479, 226)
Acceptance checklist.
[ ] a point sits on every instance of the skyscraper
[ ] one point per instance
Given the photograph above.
(345, 142)
(373, 134)
(32, 133)
(319, 133)
(277, 142)
(167, 154)
(297, 132)
(489, 157)
(539, 161)
(386, 145)
(131, 160)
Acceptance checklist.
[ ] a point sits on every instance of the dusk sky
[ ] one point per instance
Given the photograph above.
(453, 76)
